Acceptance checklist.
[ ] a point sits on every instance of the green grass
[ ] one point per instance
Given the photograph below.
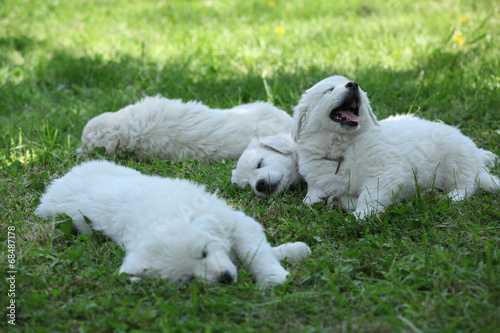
(425, 265)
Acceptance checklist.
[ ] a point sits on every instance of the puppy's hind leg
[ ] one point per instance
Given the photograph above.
(484, 180)
(293, 252)
(487, 182)
(459, 194)
(464, 187)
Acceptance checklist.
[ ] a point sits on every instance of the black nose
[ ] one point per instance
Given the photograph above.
(351, 85)
(261, 186)
(225, 278)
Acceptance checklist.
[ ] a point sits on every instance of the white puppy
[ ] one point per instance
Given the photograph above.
(173, 130)
(268, 165)
(169, 228)
(344, 154)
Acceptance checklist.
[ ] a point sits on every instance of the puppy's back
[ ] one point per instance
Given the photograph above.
(78, 189)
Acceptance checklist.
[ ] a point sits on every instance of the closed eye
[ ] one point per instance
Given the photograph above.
(329, 90)
(204, 253)
(259, 165)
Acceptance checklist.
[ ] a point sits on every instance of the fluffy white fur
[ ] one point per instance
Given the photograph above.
(169, 228)
(268, 165)
(171, 129)
(345, 155)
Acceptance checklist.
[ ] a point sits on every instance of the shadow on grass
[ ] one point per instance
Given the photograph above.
(90, 85)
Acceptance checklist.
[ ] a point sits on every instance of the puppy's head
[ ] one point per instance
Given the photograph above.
(102, 131)
(268, 165)
(334, 104)
(182, 251)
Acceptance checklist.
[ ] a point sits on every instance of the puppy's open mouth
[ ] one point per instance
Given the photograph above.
(347, 113)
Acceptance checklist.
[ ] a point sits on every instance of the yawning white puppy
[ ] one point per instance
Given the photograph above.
(345, 154)
(170, 129)
(169, 228)
(268, 165)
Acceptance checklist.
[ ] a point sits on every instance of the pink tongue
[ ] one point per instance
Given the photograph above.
(349, 115)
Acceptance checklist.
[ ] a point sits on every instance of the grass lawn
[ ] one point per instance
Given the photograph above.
(426, 265)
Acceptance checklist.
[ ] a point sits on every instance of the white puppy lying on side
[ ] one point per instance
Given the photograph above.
(173, 130)
(344, 154)
(169, 228)
(268, 165)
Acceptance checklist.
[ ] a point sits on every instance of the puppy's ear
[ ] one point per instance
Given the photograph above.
(205, 222)
(369, 108)
(372, 115)
(299, 117)
(210, 224)
(282, 144)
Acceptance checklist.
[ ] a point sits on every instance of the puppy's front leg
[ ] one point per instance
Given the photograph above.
(133, 266)
(253, 250)
(314, 196)
(372, 200)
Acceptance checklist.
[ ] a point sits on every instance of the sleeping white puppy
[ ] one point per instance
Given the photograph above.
(346, 155)
(171, 129)
(169, 228)
(268, 165)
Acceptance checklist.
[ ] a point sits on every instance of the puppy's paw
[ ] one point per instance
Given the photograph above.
(133, 269)
(314, 197)
(457, 195)
(293, 252)
(130, 277)
(134, 278)
(273, 280)
(333, 203)
(363, 214)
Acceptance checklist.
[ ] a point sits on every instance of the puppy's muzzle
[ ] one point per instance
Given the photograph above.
(352, 85)
(347, 114)
(225, 278)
